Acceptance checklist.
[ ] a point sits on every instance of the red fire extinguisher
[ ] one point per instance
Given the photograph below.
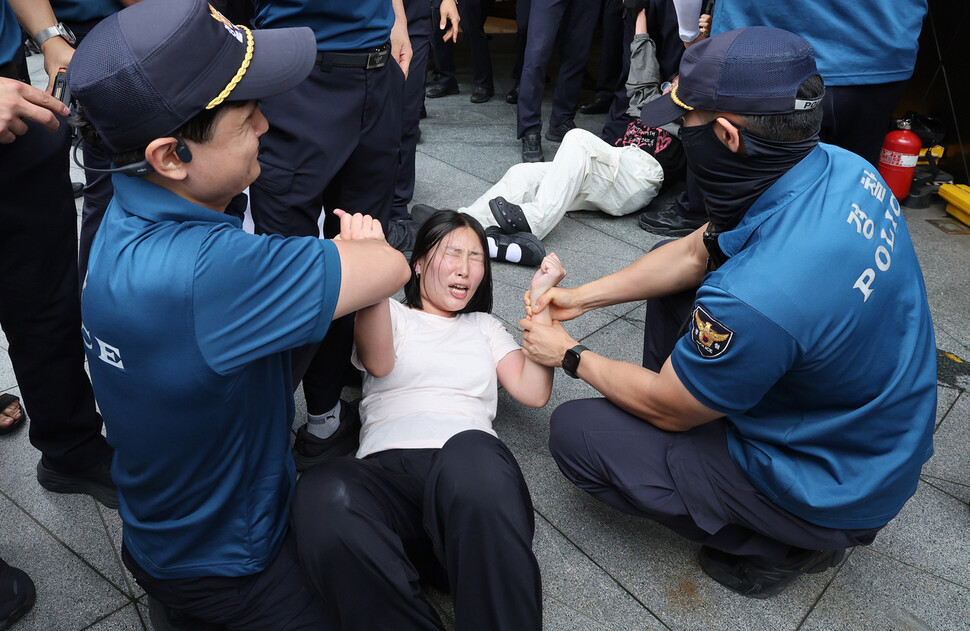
(897, 160)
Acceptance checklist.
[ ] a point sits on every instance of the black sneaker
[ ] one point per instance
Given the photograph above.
(165, 618)
(421, 212)
(529, 250)
(77, 188)
(555, 134)
(95, 482)
(309, 450)
(532, 147)
(667, 222)
(741, 575)
(401, 234)
(17, 595)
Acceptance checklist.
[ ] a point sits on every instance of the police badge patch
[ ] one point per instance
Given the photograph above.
(710, 336)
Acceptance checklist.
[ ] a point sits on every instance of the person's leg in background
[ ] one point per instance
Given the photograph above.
(857, 117)
(609, 75)
(42, 320)
(575, 38)
(522, 8)
(473, 15)
(420, 32)
(444, 61)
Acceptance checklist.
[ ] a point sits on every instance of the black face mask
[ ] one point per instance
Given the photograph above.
(731, 182)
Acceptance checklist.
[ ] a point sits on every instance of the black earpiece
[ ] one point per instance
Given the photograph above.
(139, 168)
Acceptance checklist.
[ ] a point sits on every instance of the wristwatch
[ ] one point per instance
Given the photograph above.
(570, 361)
(54, 31)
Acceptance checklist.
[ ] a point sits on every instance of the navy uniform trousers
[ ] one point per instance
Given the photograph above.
(420, 32)
(571, 24)
(370, 531)
(686, 481)
(473, 14)
(40, 312)
(334, 142)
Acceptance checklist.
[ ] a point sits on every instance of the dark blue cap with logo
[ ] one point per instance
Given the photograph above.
(753, 70)
(143, 72)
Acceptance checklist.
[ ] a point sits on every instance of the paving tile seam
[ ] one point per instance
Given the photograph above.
(477, 177)
(927, 480)
(67, 547)
(946, 415)
(821, 594)
(114, 551)
(595, 563)
(613, 236)
(109, 614)
(917, 569)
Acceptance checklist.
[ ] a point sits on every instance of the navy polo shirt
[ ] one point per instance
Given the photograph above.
(338, 24)
(186, 321)
(9, 34)
(815, 341)
(84, 10)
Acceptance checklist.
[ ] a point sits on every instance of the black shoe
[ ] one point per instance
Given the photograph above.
(77, 188)
(532, 147)
(513, 95)
(17, 595)
(508, 216)
(741, 575)
(599, 105)
(309, 450)
(167, 619)
(421, 212)
(667, 222)
(530, 250)
(438, 90)
(95, 482)
(401, 234)
(482, 94)
(555, 134)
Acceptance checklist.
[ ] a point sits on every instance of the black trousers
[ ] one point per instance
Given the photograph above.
(473, 14)
(420, 33)
(278, 598)
(686, 481)
(857, 117)
(368, 531)
(334, 142)
(40, 313)
(570, 24)
(609, 76)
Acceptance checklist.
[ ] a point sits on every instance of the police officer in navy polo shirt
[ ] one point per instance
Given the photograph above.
(188, 320)
(791, 419)
(333, 143)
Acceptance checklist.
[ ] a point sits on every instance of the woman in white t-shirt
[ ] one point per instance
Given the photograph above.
(433, 495)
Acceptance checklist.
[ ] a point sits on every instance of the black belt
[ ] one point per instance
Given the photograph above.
(369, 59)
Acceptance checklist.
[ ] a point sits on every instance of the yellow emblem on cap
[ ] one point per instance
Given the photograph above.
(236, 30)
(676, 99)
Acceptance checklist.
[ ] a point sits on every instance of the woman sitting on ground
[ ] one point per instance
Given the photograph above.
(432, 488)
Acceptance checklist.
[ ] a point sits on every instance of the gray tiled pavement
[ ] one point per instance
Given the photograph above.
(601, 569)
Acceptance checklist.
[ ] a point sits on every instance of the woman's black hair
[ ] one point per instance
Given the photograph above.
(432, 231)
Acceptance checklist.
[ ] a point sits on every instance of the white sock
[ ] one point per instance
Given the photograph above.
(324, 425)
(513, 253)
(492, 248)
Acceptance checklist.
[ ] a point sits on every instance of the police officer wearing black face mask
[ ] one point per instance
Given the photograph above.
(788, 390)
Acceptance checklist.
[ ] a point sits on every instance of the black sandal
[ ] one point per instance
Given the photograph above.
(6, 400)
(509, 216)
(529, 245)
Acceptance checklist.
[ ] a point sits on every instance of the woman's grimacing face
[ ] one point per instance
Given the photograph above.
(451, 272)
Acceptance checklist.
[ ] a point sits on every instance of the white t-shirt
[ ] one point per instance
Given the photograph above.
(444, 380)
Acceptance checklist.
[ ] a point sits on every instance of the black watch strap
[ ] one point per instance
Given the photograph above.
(570, 361)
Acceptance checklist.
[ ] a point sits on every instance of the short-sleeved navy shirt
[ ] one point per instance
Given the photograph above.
(338, 24)
(9, 34)
(815, 341)
(187, 322)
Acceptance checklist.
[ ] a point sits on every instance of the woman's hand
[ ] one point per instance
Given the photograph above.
(358, 226)
(550, 272)
(563, 304)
